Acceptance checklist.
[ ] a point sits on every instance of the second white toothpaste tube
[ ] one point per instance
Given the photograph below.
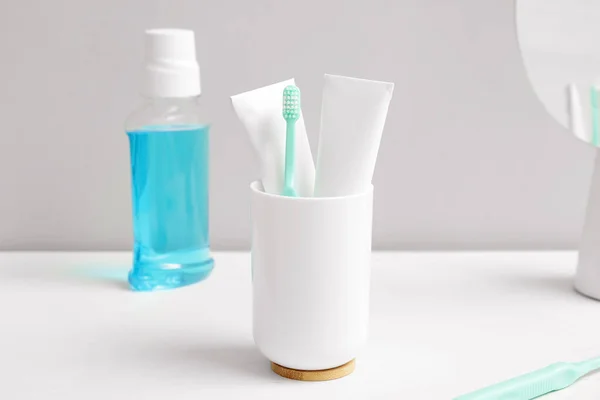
(353, 114)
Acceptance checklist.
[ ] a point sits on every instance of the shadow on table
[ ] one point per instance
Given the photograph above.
(236, 359)
(107, 275)
(94, 274)
(207, 362)
(543, 284)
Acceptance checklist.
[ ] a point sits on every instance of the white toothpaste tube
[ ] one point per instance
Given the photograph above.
(353, 113)
(260, 111)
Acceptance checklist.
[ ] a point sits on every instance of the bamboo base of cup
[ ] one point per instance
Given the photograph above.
(314, 376)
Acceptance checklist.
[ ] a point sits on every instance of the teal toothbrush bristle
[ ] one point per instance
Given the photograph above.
(291, 103)
(291, 114)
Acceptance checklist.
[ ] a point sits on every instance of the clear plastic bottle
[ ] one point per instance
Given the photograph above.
(169, 151)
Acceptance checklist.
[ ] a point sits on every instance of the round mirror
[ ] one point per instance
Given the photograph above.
(560, 45)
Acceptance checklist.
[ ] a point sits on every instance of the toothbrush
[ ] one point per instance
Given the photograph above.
(538, 383)
(576, 113)
(291, 114)
(595, 116)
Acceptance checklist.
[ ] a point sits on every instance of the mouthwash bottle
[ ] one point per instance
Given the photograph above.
(169, 152)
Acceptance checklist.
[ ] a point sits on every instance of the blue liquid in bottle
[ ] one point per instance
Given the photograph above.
(169, 170)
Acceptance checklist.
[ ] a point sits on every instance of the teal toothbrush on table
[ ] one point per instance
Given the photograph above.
(535, 384)
(291, 114)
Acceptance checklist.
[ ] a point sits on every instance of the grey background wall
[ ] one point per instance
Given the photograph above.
(469, 158)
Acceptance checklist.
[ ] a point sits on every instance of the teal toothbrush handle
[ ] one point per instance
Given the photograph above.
(595, 117)
(532, 385)
(290, 159)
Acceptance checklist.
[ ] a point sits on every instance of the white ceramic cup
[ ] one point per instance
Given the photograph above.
(311, 277)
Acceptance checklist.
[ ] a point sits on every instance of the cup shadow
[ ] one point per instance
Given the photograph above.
(241, 360)
(217, 361)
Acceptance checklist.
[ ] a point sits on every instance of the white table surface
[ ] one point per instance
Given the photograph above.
(441, 324)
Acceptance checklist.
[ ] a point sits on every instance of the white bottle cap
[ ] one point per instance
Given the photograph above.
(170, 67)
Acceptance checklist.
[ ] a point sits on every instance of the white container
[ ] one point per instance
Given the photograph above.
(311, 276)
(587, 279)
